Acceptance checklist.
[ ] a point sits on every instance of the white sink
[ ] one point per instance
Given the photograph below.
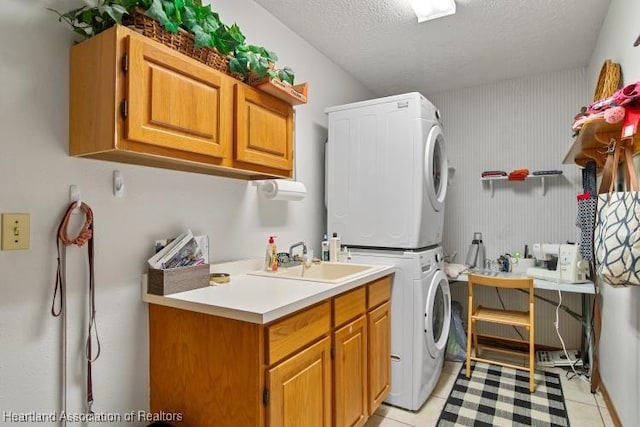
(329, 272)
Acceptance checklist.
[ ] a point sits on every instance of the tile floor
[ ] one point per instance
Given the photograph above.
(585, 409)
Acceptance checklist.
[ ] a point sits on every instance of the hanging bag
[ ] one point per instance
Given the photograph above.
(617, 232)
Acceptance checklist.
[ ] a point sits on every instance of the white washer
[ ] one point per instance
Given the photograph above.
(387, 172)
(420, 319)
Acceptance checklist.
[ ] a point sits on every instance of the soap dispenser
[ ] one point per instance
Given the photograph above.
(270, 257)
(325, 248)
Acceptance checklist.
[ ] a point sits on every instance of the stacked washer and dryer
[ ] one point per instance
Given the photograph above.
(386, 182)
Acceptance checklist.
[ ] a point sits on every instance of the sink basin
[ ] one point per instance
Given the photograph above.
(324, 272)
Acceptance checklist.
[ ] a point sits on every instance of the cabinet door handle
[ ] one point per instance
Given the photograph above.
(125, 63)
(124, 109)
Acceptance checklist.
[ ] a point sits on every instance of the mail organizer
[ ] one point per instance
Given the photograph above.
(180, 279)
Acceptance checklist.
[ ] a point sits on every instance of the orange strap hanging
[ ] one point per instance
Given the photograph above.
(63, 240)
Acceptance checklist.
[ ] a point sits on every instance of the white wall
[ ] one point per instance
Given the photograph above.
(620, 340)
(514, 124)
(35, 174)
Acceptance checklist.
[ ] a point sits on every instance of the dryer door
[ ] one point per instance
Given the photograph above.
(437, 313)
(436, 168)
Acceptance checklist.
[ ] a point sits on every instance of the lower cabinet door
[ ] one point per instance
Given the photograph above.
(300, 389)
(350, 374)
(379, 330)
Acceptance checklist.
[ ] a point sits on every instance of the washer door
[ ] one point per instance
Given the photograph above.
(436, 168)
(437, 314)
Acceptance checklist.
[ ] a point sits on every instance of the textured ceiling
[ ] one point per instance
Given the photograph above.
(382, 45)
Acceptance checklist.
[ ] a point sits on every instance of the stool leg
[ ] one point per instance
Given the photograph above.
(476, 347)
(469, 336)
(532, 363)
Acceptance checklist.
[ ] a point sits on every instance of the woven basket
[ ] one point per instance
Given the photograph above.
(253, 80)
(182, 41)
(608, 81)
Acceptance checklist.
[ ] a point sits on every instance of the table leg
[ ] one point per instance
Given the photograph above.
(587, 331)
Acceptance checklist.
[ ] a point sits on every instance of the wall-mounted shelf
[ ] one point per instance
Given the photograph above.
(592, 142)
(542, 178)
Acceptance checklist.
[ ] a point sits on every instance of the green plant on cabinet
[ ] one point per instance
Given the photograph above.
(201, 21)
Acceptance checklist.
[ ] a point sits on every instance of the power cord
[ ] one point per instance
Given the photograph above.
(581, 375)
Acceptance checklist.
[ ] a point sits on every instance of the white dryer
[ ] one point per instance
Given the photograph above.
(420, 319)
(386, 173)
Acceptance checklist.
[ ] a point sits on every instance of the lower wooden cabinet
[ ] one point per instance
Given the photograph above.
(350, 374)
(326, 365)
(379, 329)
(300, 389)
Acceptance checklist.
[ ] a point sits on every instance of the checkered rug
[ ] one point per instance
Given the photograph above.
(499, 396)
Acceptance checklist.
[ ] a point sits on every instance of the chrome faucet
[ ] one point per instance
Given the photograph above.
(304, 250)
(305, 262)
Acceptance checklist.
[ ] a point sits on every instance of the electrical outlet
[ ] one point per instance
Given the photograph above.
(16, 231)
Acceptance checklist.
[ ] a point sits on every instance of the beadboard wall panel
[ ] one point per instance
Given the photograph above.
(514, 124)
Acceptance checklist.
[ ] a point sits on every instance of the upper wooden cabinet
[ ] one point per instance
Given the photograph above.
(264, 130)
(134, 100)
(176, 106)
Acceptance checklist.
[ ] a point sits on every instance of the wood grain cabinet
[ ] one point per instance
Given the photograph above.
(350, 359)
(134, 100)
(315, 367)
(379, 330)
(263, 130)
(299, 389)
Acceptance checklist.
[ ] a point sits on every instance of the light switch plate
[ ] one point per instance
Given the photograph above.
(16, 231)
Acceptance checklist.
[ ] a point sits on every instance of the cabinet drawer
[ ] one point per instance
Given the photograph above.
(378, 292)
(349, 306)
(291, 334)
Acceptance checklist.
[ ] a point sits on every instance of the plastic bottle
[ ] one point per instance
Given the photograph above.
(345, 255)
(480, 260)
(325, 248)
(270, 257)
(476, 254)
(334, 248)
(472, 254)
(274, 257)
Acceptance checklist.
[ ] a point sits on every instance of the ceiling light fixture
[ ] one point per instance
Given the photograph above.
(426, 10)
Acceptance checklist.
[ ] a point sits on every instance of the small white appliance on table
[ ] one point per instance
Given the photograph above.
(386, 181)
(570, 267)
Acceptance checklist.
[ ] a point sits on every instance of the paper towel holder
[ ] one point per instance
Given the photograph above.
(270, 189)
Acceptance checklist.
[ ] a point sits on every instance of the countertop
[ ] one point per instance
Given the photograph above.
(257, 299)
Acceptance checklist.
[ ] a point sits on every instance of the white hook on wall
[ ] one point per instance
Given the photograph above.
(74, 196)
(118, 184)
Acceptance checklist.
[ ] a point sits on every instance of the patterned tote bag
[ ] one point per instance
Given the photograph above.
(617, 232)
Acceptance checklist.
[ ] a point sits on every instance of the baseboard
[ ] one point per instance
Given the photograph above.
(612, 409)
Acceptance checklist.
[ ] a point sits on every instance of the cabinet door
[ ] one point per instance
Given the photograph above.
(264, 130)
(379, 329)
(350, 374)
(300, 389)
(177, 103)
